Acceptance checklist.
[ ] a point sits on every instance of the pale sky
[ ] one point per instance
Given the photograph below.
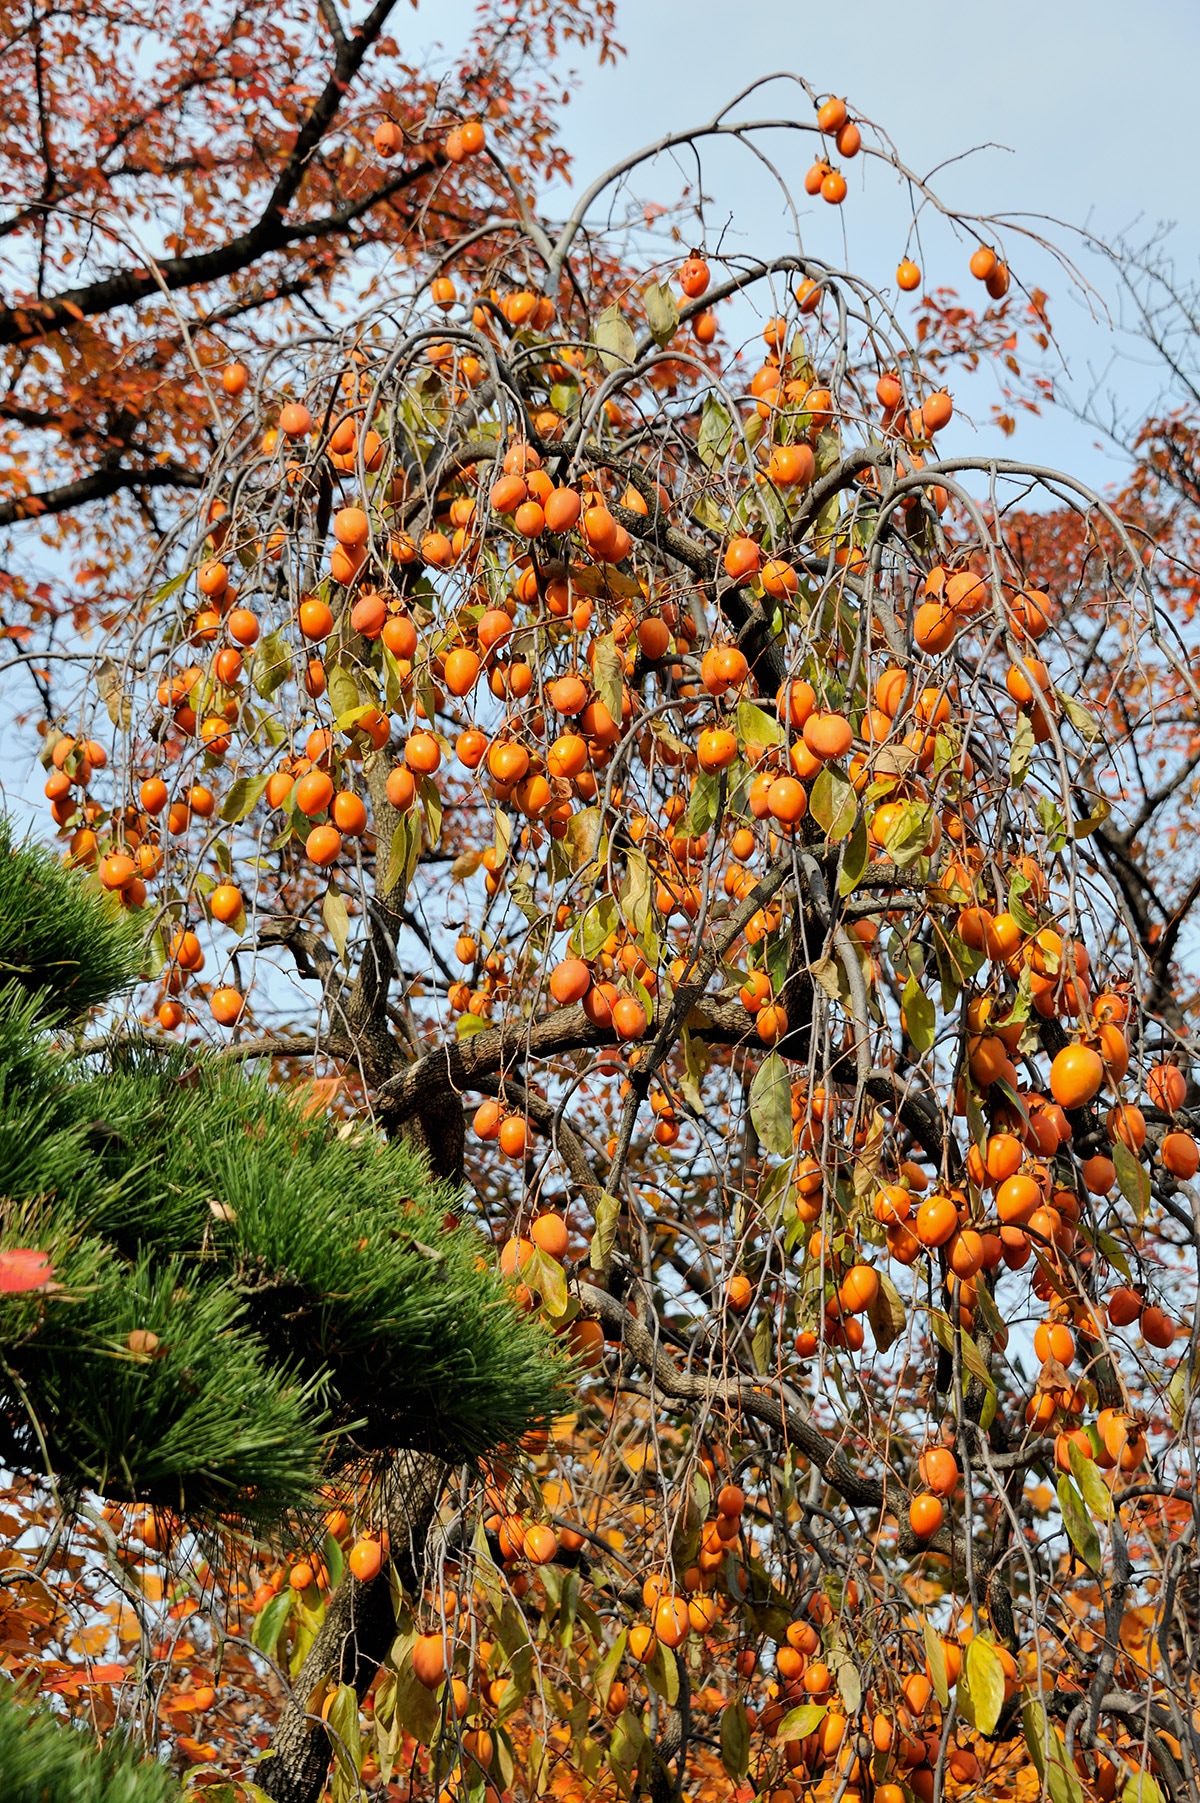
(1093, 104)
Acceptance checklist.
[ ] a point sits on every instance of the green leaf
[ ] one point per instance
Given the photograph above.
(596, 925)
(1177, 1391)
(771, 1105)
(1057, 1772)
(416, 1707)
(886, 1313)
(756, 727)
(171, 586)
(702, 806)
(608, 672)
(985, 1678)
(662, 314)
(908, 834)
(706, 513)
(1082, 829)
(270, 1623)
(402, 857)
(343, 690)
(609, 1666)
(662, 1674)
(920, 1016)
(336, 916)
(735, 1741)
(1092, 1487)
(547, 1277)
(272, 665)
(1027, 922)
(695, 1067)
(242, 798)
(1115, 1254)
(308, 1626)
(833, 803)
(936, 1660)
(799, 1723)
(849, 1685)
(1133, 1179)
(637, 891)
(604, 1233)
(854, 858)
(1022, 751)
(583, 837)
(342, 1716)
(614, 340)
(626, 1741)
(467, 1025)
(1081, 718)
(335, 1560)
(760, 1345)
(975, 1362)
(485, 1572)
(715, 436)
(354, 716)
(1078, 1523)
(393, 681)
(431, 808)
(1141, 1788)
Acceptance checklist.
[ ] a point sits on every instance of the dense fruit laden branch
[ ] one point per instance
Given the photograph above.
(725, 737)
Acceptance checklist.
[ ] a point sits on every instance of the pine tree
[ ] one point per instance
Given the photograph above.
(44, 1760)
(235, 1301)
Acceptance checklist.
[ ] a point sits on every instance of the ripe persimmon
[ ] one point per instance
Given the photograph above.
(771, 1023)
(349, 812)
(227, 1005)
(629, 1018)
(1180, 1155)
(514, 1136)
(936, 1220)
(313, 793)
(694, 277)
(716, 749)
(316, 618)
(926, 1514)
(422, 753)
(400, 635)
(1166, 1086)
(938, 1470)
(1075, 1075)
(323, 845)
(738, 1293)
(828, 735)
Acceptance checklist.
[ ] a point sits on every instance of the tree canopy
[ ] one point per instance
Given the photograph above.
(651, 781)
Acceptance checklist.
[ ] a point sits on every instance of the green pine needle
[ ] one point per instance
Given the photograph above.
(311, 1302)
(46, 1760)
(61, 937)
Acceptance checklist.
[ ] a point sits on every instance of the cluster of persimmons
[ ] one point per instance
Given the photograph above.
(722, 759)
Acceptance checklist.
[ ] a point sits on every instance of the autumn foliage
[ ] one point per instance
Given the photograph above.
(722, 831)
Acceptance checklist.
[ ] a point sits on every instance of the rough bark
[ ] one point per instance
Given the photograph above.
(355, 1637)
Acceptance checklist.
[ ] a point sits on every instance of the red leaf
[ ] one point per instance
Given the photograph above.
(24, 1269)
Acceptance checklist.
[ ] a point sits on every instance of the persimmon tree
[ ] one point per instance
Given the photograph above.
(659, 785)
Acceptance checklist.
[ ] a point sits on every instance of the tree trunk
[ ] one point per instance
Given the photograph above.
(355, 1636)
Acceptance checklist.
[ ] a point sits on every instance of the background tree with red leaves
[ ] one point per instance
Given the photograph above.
(182, 186)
